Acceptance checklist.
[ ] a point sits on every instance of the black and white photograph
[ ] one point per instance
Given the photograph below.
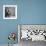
(31, 35)
(9, 11)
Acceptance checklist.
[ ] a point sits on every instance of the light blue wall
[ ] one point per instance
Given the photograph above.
(7, 26)
(34, 12)
(29, 12)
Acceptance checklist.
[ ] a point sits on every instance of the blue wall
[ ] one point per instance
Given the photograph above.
(28, 12)
(33, 12)
(7, 26)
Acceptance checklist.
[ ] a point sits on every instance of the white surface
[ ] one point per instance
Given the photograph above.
(24, 33)
(37, 37)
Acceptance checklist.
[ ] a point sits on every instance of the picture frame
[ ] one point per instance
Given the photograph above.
(9, 11)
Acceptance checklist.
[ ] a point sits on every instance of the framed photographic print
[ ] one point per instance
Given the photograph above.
(31, 32)
(9, 11)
